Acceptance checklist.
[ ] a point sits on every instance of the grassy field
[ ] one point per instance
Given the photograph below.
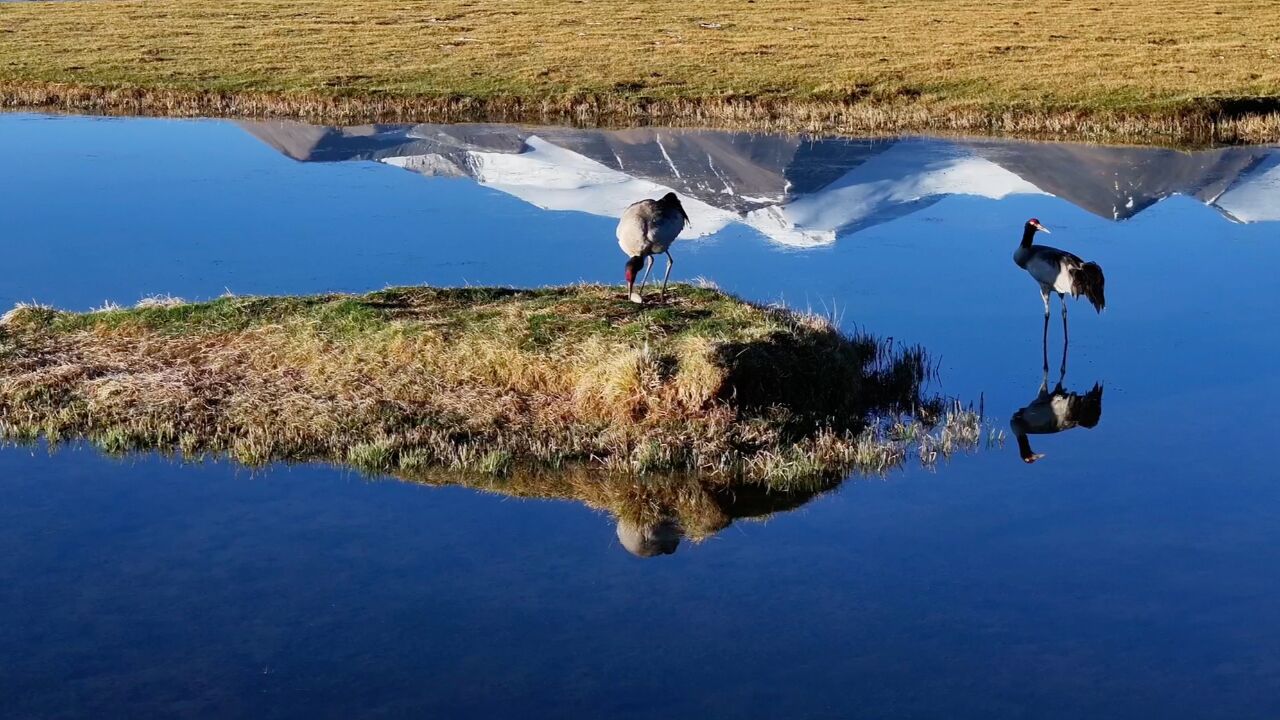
(481, 380)
(1131, 69)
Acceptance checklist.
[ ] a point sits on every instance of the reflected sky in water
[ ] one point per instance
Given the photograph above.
(1127, 573)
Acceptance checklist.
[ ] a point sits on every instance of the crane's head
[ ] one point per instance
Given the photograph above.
(633, 268)
(671, 200)
(1034, 224)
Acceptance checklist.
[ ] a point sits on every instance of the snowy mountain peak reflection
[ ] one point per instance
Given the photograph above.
(795, 191)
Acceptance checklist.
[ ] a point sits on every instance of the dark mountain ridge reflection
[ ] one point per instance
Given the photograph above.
(796, 191)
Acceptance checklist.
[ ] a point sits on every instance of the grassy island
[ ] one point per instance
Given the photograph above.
(482, 380)
(1176, 71)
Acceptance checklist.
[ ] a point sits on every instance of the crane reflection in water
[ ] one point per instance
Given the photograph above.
(700, 511)
(1053, 412)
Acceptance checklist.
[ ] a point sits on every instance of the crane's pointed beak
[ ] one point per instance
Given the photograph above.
(1042, 228)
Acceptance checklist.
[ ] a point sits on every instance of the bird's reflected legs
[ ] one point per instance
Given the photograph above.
(1044, 346)
(1062, 298)
(1062, 374)
(670, 261)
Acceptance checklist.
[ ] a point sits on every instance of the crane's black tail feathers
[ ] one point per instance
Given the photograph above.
(1086, 409)
(1087, 280)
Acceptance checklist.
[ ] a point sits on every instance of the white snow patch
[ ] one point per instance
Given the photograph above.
(890, 184)
(1257, 197)
(670, 162)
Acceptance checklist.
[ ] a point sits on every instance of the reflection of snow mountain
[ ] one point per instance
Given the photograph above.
(1119, 182)
(795, 191)
(1255, 197)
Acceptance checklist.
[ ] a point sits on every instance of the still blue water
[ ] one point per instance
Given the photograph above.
(1130, 573)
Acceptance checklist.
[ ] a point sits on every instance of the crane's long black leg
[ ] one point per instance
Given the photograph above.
(670, 261)
(1044, 338)
(647, 270)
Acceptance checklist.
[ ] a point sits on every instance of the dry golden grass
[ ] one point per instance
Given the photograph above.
(482, 380)
(1176, 70)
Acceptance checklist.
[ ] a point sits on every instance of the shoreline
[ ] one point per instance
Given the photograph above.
(1245, 121)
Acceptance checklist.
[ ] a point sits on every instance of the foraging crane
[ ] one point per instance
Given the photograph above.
(1059, 271)
(646, 229)
(1054, 412)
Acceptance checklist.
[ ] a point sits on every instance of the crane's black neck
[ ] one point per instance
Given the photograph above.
(1024, 447)
(1028, 233)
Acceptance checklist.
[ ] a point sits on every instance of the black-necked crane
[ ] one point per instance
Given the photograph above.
(1059, 271)
(1053, 412)
(646, 229)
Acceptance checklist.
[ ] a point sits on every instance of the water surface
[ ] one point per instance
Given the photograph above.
(1127, 573)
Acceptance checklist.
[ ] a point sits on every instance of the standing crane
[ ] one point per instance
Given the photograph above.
(646, 229)
(1059, 271)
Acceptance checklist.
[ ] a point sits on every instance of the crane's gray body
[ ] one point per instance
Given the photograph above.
(646, 229)
(649, 227)
(1050, 267)
(1059, 271)
(1048, 413)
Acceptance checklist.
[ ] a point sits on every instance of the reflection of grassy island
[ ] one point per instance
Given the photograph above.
(477, 379)
(653, 513)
